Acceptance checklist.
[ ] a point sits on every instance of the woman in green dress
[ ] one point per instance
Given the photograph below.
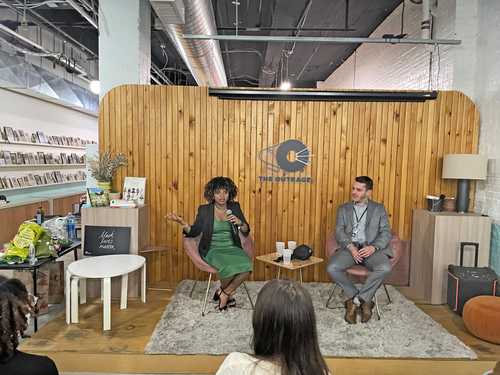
(220, 222)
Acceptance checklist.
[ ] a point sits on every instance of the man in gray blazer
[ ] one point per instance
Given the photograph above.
(363, 234)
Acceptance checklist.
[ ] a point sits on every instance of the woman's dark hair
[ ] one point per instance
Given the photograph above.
(365, 180)
(16, 288)
(218, 183)
(284, 329)
(13, 311)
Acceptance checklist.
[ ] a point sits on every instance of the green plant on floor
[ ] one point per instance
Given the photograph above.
(104, 167)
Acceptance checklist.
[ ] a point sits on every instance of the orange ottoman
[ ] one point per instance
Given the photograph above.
(482, 317)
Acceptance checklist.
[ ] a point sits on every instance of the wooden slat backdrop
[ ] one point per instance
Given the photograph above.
(179, 138)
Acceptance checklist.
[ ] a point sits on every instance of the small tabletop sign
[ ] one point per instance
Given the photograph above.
(102, 240)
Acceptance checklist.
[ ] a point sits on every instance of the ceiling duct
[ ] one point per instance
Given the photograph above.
(202, 57)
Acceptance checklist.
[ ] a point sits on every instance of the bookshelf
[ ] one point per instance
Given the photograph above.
(36, 161)
(39, 166)
(43, 185)
(42, 145)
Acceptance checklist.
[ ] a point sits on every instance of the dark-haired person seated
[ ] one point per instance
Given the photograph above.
(15, 309)
(219, 223)
(285, 339)
(363, 233)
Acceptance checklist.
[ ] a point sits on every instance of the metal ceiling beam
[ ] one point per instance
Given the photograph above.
(258, 29)
(43, 22)
(319, 39)
(83, 13)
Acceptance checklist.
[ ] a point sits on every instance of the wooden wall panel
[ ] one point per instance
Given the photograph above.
(61, 206)
(179, 137)
(12, 217)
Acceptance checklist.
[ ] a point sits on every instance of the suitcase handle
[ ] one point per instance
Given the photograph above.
(462, 247)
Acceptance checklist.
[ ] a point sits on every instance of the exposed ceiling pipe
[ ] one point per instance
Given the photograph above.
(40, 50)
(157, 72)
(202, 57)
(426, 24)
(318, 39)
(82, 12)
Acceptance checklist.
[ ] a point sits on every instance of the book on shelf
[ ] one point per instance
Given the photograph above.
(6, 156)
(98, 197)
(9, 134)
(134, 189)
(13, 135)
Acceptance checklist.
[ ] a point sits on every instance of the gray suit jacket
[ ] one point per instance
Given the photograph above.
(378, 231)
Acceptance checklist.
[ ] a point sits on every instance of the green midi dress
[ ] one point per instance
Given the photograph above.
(227, 258)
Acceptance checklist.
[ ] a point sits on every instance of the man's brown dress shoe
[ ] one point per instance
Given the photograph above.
(366, 311)
(350, 311)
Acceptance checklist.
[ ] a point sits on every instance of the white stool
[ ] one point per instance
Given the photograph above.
(101, 267)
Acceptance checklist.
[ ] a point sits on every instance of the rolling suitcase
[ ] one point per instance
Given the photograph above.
(465, 283)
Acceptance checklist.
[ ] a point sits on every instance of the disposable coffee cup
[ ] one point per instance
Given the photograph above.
(292, 245)
(280, 246)
(287, 256)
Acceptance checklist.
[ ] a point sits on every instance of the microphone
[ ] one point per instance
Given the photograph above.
(233, 226)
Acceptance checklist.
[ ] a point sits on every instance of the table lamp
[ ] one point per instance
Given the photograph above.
(464, 167)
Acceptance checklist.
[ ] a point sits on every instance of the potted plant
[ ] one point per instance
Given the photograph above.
(104, 167)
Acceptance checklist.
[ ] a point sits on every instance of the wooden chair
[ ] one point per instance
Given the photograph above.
(191, 245)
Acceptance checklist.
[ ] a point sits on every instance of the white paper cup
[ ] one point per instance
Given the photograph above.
(280, 246)
(292, 245)
(287, 256)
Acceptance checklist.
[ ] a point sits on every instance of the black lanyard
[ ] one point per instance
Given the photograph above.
(356, 215)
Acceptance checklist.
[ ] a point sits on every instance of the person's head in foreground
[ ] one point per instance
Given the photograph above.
(14, 311)
(16, 305)
(284, 326)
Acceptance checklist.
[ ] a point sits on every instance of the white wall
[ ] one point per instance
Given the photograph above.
(31, 114)
(478, 75)
(387, 66)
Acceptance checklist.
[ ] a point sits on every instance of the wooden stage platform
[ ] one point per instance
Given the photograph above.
(84, 347)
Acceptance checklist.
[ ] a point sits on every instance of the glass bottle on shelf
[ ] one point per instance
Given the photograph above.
(40, 215)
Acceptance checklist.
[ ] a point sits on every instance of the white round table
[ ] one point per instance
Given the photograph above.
(102, 267)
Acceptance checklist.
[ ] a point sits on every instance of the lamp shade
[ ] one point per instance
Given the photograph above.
(465, 166)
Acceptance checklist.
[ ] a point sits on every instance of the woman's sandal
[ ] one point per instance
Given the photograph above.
(227, 303)
(231, 302)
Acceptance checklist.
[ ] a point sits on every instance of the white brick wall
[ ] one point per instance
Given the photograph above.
(386, 66)
(471, 68)
(478, 76)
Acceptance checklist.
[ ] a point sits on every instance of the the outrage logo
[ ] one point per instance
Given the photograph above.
(291, 156)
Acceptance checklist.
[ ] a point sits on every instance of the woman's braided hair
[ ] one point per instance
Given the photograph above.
(13, 321)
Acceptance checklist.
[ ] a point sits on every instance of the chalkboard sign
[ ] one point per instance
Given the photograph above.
(101, 240)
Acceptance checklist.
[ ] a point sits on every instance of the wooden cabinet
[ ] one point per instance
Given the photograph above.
(436, 238)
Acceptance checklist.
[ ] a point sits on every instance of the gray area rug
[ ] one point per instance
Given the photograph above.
(404, 331)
